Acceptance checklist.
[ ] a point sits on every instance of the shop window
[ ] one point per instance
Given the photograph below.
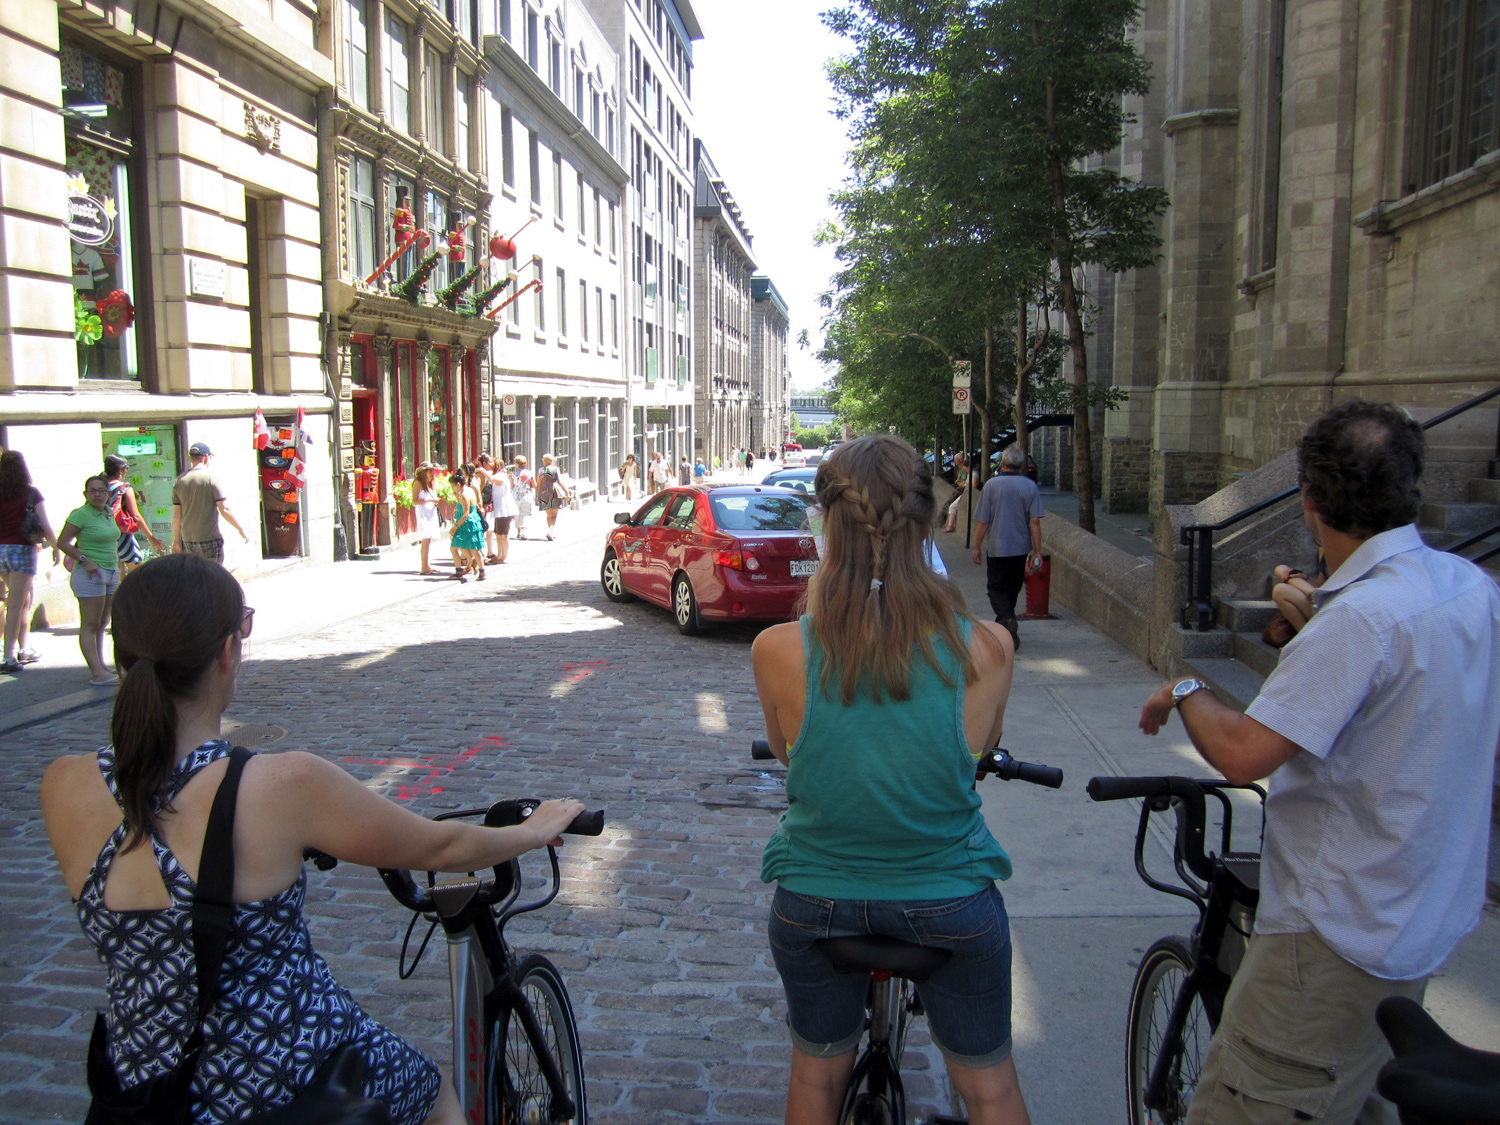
(472, 425)
(406, 395)
(357, 46)
(562, 427)
(439, 408)
(152, 453)
(98, 111)
(362, 215)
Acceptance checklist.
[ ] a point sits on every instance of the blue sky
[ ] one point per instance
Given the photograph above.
(763, 107)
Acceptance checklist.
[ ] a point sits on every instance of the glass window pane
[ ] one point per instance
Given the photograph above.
(357, 31)
(398, 74)
(438, 403)
(405, 400)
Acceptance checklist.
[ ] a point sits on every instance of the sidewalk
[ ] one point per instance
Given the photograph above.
(297, 600)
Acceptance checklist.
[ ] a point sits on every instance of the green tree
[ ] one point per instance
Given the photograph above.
(971, 122)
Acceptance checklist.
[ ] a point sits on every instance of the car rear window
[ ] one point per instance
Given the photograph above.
(759, 512)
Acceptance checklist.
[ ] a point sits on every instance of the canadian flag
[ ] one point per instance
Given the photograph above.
(297, 470)
(262, 433)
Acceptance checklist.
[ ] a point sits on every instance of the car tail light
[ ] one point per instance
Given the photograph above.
(736, 560)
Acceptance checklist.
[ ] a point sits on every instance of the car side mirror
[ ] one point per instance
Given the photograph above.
(622, 517)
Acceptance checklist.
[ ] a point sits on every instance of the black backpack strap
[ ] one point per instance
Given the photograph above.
(213, 903)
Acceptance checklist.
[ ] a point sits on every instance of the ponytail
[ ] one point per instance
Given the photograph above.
(171, 619)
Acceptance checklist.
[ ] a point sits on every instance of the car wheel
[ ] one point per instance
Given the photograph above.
(685, 607)
(612, 578)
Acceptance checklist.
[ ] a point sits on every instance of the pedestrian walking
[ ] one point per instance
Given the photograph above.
(1377, 728)
(700, 471)
(1009, 531)
(523, 481)
(660, 474)
(276, 1013)
(735, 462)
(630, 474)
(750, 462)
(424, 505)
(127, 515)
(551, 493)
(502, 512)
(684, 471)
(23, 528)
(480, 478)
(91, 541)
(197, 505)
(883, 834)
(467, 533)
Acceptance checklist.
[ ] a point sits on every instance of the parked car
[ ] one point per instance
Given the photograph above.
(800, 479)
(713, 553)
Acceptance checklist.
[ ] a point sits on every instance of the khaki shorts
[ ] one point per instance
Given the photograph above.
(1298, 1041)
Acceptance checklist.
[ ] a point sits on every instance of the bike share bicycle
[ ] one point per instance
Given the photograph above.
(1180, 986)
(875, 1094)
(516, 1056)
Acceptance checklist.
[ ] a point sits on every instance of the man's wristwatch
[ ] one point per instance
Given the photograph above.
(1186, 688)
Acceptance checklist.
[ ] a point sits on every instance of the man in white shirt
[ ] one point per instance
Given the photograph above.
(1379, 730)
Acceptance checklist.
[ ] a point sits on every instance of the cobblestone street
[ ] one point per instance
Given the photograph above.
(532, 684)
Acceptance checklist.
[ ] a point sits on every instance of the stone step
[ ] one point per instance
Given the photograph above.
(1244, 615)
(1233, 682)
(1483, 490)
(1254, 653)
(1459, 517)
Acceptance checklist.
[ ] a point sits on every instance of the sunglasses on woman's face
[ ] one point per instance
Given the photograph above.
(247, 623)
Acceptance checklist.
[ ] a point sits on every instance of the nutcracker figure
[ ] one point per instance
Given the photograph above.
(403, 222)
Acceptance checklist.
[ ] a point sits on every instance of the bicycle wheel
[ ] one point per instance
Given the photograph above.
(517, 1091)
(1159, 979)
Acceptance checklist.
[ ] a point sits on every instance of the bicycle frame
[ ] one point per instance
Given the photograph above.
(875, 1061)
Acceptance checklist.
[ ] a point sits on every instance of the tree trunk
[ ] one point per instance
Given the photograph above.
(984, 415)
(1083, 445)
(1023, 439)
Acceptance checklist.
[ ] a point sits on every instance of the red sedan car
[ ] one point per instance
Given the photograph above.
(713, 553)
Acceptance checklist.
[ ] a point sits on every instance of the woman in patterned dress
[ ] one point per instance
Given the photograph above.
(468, 529)
(180, 622)
(122, 498)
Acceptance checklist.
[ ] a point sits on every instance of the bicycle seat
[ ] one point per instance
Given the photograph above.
(877, 953)
(1433, 1075)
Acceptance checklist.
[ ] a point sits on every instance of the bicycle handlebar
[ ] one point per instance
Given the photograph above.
(998, 762)
(1124, 788)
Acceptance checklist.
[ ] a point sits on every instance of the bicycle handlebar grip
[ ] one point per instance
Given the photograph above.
(587, 824)
(760, 750)
(1123, 788)
(1050, 776)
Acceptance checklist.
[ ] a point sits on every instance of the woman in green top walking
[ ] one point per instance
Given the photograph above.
(91, 539)
(879, 701)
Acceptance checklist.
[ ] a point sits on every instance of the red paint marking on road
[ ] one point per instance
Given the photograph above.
(436, 767)
(584, 669)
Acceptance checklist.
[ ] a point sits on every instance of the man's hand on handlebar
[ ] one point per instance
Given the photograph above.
(550, 818)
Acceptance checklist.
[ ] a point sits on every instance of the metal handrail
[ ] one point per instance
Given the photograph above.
(1198, 538)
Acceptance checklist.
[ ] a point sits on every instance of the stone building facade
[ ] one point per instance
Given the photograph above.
(654, 42)
(560, 386)
(1333, 232)
(405, 153)
(770, 378)
(160, 262)
(723, 263)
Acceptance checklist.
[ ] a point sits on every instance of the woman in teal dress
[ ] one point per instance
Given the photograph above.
(468, 529)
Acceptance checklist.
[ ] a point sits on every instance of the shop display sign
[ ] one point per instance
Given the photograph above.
(659, 414)
(136, 446)
(89, 222)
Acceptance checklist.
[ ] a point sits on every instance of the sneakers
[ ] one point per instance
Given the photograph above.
(28, 656)
(10, 667)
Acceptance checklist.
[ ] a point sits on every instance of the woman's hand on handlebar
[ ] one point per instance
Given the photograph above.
(550, 818)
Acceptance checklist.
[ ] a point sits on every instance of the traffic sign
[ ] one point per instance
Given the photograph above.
(963, 372)
(961, 403)
(508, 405)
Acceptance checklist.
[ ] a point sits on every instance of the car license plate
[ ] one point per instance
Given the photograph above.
(804, 568)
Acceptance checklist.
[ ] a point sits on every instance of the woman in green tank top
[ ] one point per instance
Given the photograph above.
(879, 701)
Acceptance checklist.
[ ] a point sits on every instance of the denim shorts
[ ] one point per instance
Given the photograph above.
(102, 582)
(967, 1000)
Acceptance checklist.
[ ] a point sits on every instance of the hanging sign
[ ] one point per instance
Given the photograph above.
(961, 403)
(658, 415)
(963, 373)
(88, 221)
(508, 405)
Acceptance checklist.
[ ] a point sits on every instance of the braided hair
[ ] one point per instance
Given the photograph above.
(875, 602)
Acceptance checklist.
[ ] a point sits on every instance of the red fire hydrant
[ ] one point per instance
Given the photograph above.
(1039, 590)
